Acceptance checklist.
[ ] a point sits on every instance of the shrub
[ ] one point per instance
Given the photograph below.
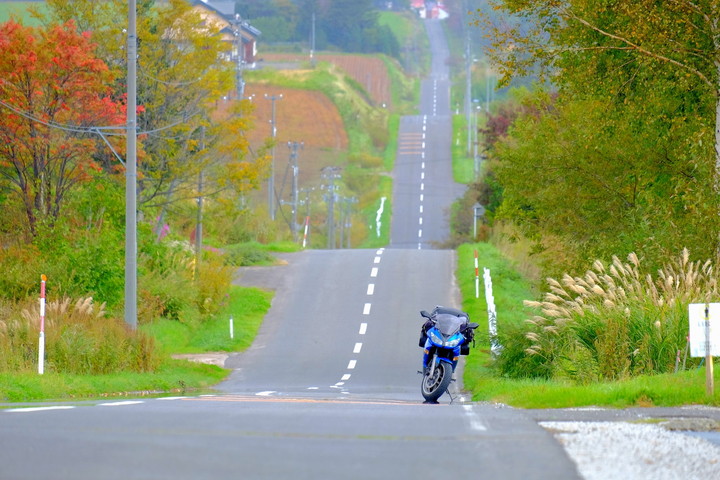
(213, 281)
(246, 254)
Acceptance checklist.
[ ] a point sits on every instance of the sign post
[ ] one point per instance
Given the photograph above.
(705, 337)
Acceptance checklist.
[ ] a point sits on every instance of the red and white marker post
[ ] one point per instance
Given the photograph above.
(307, 223)
(41, 349)
(477, 277)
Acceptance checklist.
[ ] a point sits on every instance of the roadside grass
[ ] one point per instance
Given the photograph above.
(247, 306)
(174, 376)
(374, 240)
(509, 290)
(463, 166)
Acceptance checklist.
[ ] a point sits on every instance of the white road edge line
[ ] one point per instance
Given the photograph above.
(39, 409)
(120, 404)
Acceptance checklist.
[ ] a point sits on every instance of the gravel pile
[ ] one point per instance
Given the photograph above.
(621, 450)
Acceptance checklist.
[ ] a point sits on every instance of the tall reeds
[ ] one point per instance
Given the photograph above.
(616, 321)
(79, 338)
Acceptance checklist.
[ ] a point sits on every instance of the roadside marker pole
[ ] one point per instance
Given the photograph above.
(477, 277)
(495, 347)
(709, 381)
(307, 222)
(41, 348)
(232, 332)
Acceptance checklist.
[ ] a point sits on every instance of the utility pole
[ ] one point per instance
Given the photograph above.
(271, 180)
(468, 89)
(312, 41)
(199, 225)
(331, 173)
(346, 222)
(131, 172)
(239, 58)
(294, 146)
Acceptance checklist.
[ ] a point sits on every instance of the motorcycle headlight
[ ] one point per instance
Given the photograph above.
(435, 337)
(454, 341)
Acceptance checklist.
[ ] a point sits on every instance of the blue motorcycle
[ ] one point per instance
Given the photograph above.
(445, 336)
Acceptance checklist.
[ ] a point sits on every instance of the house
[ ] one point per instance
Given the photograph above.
(222, 14)
(429, 8)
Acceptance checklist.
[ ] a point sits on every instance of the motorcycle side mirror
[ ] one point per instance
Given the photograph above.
(473, 325)
(424, 313)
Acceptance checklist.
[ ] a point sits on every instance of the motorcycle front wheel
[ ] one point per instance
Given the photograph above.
(433, 386)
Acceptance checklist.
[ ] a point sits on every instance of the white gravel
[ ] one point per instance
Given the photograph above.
(622, 450)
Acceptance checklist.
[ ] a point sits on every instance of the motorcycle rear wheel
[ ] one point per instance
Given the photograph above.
(433, 386)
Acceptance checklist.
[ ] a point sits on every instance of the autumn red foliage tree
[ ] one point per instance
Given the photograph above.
(53, 92)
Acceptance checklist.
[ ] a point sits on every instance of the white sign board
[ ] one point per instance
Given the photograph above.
(698, 330)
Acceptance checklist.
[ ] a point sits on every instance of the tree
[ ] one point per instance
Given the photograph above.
(53, 91)
(619, 43)
(184, 77)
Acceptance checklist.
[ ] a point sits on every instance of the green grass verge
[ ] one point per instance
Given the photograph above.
(174, 376)
(246, 306)
(463, 166)
(509, 290)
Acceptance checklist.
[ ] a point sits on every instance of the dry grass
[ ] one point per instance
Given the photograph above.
(616, 321)
(79, 339)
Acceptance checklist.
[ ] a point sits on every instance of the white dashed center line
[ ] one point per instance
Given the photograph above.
(371, 288)
(366, 309)
(351, 364)
(358, 347)
(363, 328)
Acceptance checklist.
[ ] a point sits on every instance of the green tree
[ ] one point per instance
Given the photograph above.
(616, 46)
(184, 77)
(626, 158)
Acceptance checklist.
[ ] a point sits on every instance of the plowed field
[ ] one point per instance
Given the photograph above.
(300, 116)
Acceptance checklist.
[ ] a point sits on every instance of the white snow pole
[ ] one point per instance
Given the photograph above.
(495, 346)
(41, 347)
(232, 328)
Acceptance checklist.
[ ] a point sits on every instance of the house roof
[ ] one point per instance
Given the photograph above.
(226, 10)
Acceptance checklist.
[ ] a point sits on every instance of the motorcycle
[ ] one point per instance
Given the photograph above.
(446, 334)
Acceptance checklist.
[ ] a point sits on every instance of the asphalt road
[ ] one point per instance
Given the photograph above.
(329, 389)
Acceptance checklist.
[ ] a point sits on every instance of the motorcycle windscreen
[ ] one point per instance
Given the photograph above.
(449, 324)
